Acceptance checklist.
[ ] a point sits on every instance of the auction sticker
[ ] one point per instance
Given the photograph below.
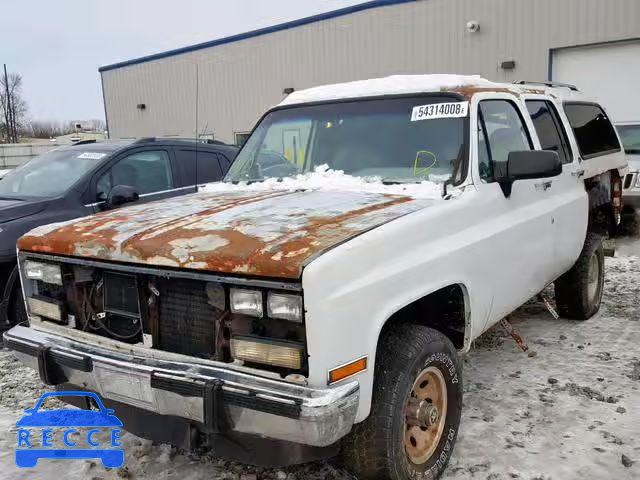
(92, 155)
(440, 110)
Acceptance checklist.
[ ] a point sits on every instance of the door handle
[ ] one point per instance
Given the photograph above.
(578, 173)
(543, 187)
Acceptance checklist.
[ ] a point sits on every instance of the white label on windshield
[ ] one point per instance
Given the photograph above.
(92, 155)
(440, 110)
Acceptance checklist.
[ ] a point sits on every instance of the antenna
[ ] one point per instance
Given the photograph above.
(197, 139)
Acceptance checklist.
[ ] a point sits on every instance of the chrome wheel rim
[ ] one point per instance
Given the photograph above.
(593, 278)
(425, 415)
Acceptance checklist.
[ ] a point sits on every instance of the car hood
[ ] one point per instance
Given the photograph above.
(270, 234)
(15, 209)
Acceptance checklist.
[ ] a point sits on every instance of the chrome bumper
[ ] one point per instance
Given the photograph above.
(218, 398)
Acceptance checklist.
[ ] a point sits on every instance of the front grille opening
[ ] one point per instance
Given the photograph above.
(183, 316)
(628, 180)
(187, 320)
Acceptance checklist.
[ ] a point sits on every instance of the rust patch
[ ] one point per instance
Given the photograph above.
(468, 91)
(268, 234)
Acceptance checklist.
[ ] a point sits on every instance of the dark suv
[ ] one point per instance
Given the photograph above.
(89, 177)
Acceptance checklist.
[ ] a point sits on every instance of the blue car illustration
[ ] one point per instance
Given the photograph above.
(104, 418)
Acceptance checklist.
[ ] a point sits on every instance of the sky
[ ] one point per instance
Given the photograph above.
(60, 44)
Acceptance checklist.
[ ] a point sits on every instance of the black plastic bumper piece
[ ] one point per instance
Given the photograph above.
(49, 362)
(215, 395)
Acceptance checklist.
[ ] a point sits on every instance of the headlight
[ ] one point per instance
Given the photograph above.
(247, 302)
(45, 272)
(285, 307)
(279, 353)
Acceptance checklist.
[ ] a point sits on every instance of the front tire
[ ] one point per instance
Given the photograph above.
(415, 411)
(578, 292)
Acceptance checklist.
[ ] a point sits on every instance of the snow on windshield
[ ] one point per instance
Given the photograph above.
(323, 178)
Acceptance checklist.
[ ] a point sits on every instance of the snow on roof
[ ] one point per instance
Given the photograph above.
(393, 85)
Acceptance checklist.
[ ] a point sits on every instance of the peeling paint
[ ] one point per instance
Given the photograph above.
(270, 234)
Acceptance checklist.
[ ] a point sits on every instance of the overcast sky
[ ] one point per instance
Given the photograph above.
(58, 46)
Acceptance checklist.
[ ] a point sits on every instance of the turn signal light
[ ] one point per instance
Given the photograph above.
(347, 370)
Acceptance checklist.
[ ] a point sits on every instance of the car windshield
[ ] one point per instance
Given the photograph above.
(402, 139)
(49, 175)
(630, 135)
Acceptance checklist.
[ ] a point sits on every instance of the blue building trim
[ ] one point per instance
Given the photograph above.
(256, 33)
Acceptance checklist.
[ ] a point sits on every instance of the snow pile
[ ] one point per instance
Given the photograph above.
(393, 85)
(323, 178)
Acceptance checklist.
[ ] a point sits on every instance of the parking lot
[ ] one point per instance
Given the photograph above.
(568, 410)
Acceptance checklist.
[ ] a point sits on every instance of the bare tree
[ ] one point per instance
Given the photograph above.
(12, 106)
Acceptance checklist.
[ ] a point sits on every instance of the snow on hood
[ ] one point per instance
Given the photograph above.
(393, 85)
(325, 179)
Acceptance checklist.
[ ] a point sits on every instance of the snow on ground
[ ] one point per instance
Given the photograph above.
(323, 178)
(570, 411)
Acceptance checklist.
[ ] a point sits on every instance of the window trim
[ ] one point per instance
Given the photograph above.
(480, 119)
(597, 154)
(560, 127)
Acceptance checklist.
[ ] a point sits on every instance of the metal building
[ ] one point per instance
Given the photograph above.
(232, 81)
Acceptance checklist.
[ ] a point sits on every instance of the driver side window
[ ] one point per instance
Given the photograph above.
(501, 130)
(146, 172)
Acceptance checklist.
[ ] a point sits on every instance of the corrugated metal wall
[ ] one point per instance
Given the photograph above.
(239, 81)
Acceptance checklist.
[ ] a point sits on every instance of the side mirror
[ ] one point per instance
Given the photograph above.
(526, 165)
(121, 194)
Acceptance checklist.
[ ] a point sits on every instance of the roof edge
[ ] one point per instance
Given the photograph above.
(256, 33)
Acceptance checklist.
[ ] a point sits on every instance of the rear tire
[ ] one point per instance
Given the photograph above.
(578, 292)
(418, 382)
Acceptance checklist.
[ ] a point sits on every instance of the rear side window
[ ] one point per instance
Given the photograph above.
(549, 128)
(208, 169)
(593, 130)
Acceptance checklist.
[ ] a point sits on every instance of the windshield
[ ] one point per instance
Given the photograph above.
(50, 174)
(396, 139)
(630, 135)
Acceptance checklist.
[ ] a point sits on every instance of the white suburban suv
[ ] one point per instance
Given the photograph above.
(321, 296)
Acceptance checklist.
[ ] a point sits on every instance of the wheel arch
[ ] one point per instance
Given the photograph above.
(605, 202)
(445, 308)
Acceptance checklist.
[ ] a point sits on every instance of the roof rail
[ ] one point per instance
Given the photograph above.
(208, 141)
(145, 140)
(548, 84)
(84, 142)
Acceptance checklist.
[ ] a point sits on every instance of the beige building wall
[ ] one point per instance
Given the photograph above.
(234, 83)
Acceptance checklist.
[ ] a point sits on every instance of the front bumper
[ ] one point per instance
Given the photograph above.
(219, 399)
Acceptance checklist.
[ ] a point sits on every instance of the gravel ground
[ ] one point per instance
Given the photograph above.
(569, 410)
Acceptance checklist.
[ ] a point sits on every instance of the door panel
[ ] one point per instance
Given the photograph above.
(567, 191)
(521, 224)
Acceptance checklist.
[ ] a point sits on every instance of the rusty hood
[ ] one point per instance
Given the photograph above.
(269, 234)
